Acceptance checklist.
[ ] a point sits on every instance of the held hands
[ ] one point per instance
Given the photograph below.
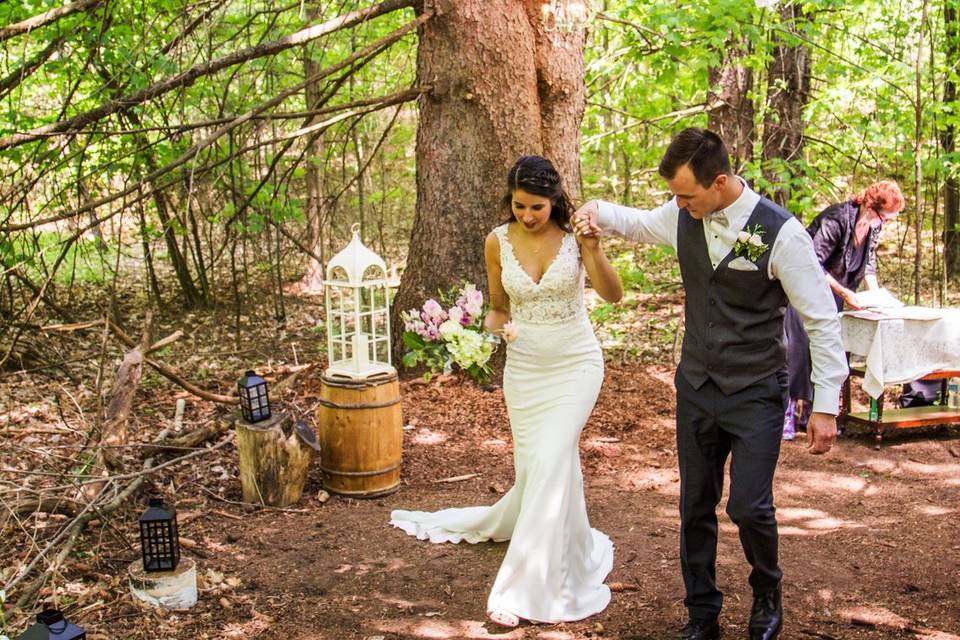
(584, 221)
(821, 433)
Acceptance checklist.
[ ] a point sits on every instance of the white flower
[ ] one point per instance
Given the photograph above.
(765, 4)
(449, 329)
(756, 240)
(510, 332)
(743, 236)
(455, 314)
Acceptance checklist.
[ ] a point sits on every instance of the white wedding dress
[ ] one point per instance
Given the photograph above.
(555, 564)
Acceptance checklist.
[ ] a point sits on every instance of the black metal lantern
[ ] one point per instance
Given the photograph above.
(159, 540)
(254, 402)
(51, 625)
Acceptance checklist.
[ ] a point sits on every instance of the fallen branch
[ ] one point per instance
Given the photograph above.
(72, 532)
(170, 374)
(468, 476)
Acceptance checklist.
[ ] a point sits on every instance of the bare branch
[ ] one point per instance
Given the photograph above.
(45, 18)
(24, 71)
(190, 76)
(372, 49)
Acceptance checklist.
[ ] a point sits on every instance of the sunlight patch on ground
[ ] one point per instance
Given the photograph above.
(496, 444)
(789, 514)
(879, 465)
(439, 629)
(875, 616)
(931, 634)
(820, 482)
(934, 510)
(937, 470)
(811, 521)
(426, 436)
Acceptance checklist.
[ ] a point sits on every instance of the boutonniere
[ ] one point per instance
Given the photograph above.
(750, 243)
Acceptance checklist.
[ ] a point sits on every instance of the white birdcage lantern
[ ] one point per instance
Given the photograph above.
(358, 313)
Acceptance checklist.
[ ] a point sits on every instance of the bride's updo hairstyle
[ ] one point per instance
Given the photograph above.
(537, 176)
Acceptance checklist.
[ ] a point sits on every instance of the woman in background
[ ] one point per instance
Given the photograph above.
(845, 237)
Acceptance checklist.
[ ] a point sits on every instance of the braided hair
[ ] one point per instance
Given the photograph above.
(537, 176)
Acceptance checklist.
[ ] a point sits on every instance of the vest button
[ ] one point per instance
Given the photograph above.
(710, 324)
(712, 302)
(709, 346)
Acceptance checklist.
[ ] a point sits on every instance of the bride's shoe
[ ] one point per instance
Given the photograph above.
(503, 618)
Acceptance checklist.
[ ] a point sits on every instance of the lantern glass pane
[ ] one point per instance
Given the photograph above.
(382, 350)
(374, 272)
(339, 273)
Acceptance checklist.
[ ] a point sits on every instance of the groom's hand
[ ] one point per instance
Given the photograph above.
(584, 220)
(821, 432)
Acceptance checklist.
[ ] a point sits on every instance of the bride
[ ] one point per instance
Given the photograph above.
(555, 564)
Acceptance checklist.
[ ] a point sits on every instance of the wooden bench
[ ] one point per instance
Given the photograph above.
(899, 418)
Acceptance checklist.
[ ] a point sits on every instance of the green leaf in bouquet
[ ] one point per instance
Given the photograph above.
(413, 340)
(411, 358)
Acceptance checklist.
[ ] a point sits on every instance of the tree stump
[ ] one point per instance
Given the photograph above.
(175, 589)
(273, 461)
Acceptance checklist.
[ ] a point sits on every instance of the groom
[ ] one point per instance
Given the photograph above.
(742, 259)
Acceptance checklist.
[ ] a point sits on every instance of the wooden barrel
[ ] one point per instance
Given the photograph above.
(361, 435)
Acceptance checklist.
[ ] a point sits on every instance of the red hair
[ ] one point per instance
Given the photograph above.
(881, 196)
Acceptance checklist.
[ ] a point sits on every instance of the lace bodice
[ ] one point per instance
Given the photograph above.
(557, 298)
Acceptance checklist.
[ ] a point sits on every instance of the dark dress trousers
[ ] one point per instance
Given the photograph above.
(731, 395)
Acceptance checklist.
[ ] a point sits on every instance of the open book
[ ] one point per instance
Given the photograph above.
(877, 299)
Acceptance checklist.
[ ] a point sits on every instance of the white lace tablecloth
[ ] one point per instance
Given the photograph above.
(901, 349)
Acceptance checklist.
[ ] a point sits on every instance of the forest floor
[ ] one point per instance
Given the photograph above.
(869, 539)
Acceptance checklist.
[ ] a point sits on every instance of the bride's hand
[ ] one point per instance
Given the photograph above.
(585, 227)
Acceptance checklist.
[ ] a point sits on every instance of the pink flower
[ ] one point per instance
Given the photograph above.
(474, 303)
(455, 314)
(433, 310)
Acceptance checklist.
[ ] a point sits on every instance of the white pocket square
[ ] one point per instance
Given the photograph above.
(742, 264)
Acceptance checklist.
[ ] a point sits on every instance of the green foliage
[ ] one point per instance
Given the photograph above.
(643, 268)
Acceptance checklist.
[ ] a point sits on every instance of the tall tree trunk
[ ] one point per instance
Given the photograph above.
(513, 91)
(312, 280)
(917, 157)
(788, 91)
(951, 187)
(731, 109)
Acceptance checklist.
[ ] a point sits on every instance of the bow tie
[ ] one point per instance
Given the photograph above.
(718, 217)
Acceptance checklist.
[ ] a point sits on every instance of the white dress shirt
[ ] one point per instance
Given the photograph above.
(792, 262)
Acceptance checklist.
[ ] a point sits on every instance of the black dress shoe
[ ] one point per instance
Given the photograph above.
(697, 629)
(766, 617)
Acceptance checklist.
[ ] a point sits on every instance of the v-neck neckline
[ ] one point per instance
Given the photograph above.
(536, 283)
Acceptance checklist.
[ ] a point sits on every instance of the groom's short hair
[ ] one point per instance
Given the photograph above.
(702, 150)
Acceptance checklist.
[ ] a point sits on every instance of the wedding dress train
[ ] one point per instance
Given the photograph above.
(555, 563)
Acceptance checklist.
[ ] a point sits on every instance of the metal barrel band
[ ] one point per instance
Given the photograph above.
(358, 384)
(360, 405)
(359, 474)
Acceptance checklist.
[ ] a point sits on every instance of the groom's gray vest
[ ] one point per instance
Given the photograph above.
(734, 319)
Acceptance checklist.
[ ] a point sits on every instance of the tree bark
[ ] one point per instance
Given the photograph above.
(513, 91)
(312, 280)
(951, 187)
(731, 110)
(788, 91)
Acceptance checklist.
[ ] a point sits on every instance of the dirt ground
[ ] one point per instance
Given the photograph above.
(870, 540)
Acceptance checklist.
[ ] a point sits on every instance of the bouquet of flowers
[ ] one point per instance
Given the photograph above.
(445, 339)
